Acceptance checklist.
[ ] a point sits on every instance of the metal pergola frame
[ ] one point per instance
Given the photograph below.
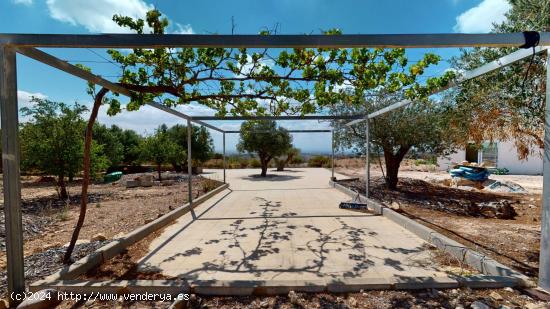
(27, 44)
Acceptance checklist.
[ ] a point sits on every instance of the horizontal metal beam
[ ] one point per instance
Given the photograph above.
(269, 41)
(289, 131)
(484, 69)
(285, 117)
(64, 66)
(182, 115)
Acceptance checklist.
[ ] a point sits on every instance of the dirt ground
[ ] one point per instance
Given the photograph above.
(513, 242)
(113, 211)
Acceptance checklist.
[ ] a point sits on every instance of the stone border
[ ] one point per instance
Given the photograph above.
(274, 287)
(115, 247)
(481, 262)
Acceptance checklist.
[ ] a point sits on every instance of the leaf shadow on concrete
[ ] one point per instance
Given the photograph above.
(266, 247)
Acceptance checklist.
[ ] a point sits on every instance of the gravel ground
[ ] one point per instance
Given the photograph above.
(43, 264)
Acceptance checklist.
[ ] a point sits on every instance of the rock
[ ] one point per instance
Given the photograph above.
(352, 302)
(479, 305)
(509, 289)
(98, 237)
(168, 182)
(395, 205)
(147, 221)
(293, 297)
(264, 304)
(41, 303)
(132, 184)
(504, 307)
(495, 296)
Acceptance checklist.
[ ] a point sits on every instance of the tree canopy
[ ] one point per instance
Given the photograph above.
(507, 104)
(260, 81)
(266, 139)
(425, 126)
(160, 149)
(202, 146)
(52, 141)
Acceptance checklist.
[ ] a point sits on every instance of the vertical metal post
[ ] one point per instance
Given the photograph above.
(10, 166)
(190, 167)
(332, 163)
(544, 260)
(367, 155)
(224, 157)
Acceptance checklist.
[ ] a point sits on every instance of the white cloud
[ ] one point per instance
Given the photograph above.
(24, 97)
(480, 18)
(24, 100)
(23, 2)
(250, 67)
(147, 118)
(183, 29)
(97, 15)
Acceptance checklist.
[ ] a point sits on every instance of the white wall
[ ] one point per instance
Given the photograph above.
(507, 158)
(446, 163)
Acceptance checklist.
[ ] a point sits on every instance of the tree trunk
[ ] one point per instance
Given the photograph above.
(264, 169)
(62, 187)
(393, 161)
(264, 163)
(86, 173)
(159, 167)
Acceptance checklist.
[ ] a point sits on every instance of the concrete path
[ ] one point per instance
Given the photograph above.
(285, 227)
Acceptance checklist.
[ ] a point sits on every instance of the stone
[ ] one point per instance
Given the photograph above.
(132, 184)
(479, 305)
(395, 205)
(293, 297)
(495, 296)
(168, 182)
(352, 302)
(98, 237)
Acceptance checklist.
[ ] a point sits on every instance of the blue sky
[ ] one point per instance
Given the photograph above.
(203, 17)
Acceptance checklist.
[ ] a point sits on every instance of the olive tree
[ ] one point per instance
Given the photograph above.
(265, 139)
(425, 126)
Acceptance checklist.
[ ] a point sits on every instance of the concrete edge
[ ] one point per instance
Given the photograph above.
(481, 262)
(274, 287)
(115, 247)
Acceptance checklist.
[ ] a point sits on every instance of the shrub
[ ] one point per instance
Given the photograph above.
(319, 161)
(255, 163)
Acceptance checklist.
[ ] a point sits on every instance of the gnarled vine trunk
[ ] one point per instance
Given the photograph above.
(86, 173)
